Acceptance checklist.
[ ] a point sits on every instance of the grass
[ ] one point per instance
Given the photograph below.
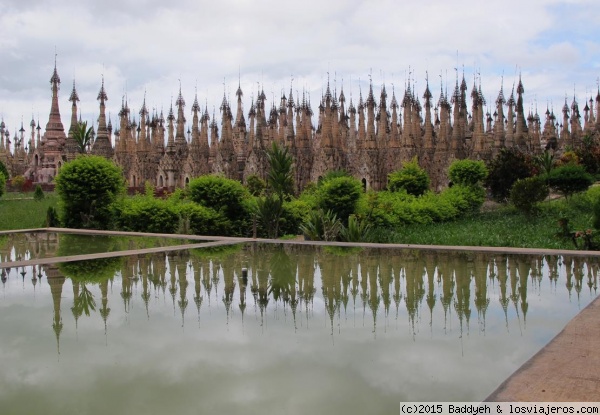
(505, 227)
(20, 211)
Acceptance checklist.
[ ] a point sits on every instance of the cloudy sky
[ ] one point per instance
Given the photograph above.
(153, 47)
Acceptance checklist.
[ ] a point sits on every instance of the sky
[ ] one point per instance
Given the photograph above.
(152, 48)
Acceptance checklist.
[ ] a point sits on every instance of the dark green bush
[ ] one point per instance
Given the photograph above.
(146, 214)
(467, 172)
(2, 184)
(3, 171)
(87, 187)
(203, 220)
(527, 193)
(569, 179)
(339, 195)
(38, 194)
(411, 177)
(224, 195)
(509, 166)
(255, 185)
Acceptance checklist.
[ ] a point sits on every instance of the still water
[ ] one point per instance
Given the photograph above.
(277, 329)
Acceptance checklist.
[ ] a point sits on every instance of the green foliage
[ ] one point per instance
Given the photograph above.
(596, 212)
(223, 195)
(280, 185)
(393, 210)
(17, 212)
(18, 182)
(52, 220)
(149, 214)
(202, 220)
(509, 166)
(321, 225)
(333, 174)
(38, 194)
(358, 230)
(92, 271)
(526, 194)
(146, 214)
(82, 136)
(87, 187)
(268, 211)
(467, 172)
(255, 185)
(4, 171)
(339, 195)
(411, 177)
(545, 161)
(280, 179)
(569, 179)
(2, 184)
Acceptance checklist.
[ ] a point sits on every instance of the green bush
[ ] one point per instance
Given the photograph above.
(358, 230)
(467, 172)
(87, 187)
(394, 209)
(339, 195)
(321, 226)
(203, 220)
(509, 166)
(411, 177)
(255, 185)
(569, 179)
(596, 212)
(4, 171)
(2, 184)
(224, 195)
(38, 194)
(527, 193)
(146, 214)
(18, 183)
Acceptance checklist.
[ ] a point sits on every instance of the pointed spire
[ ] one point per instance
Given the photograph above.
(74, 97)
(195, 105)
(102, 94)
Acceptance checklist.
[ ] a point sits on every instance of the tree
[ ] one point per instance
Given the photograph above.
(87, 188)
(339, 195)
(467, 172)
(411, 177)
(83, 136)
(505, 169)
(570, 179)
(224, 195)
(280, 185)
(527, 193)
(38, 194)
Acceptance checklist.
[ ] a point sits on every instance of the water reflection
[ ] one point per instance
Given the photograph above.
(284, 280)
(401, 324)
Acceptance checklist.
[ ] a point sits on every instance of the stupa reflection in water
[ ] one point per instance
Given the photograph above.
(295, 283)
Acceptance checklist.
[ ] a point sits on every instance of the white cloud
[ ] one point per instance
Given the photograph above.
(145, 46)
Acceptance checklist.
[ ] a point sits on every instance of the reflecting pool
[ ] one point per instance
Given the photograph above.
(290, 329)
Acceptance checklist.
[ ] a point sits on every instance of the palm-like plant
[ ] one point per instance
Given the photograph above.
(82, 136)
(280, 184)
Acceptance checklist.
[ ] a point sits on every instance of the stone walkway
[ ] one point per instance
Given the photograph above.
(566, 370)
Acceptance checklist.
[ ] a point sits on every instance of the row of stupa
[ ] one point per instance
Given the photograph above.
(369, 140)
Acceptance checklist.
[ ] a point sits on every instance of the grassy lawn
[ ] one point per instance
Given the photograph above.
(504, 226)
(20, 211)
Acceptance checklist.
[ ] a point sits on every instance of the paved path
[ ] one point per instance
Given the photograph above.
(566, 370)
